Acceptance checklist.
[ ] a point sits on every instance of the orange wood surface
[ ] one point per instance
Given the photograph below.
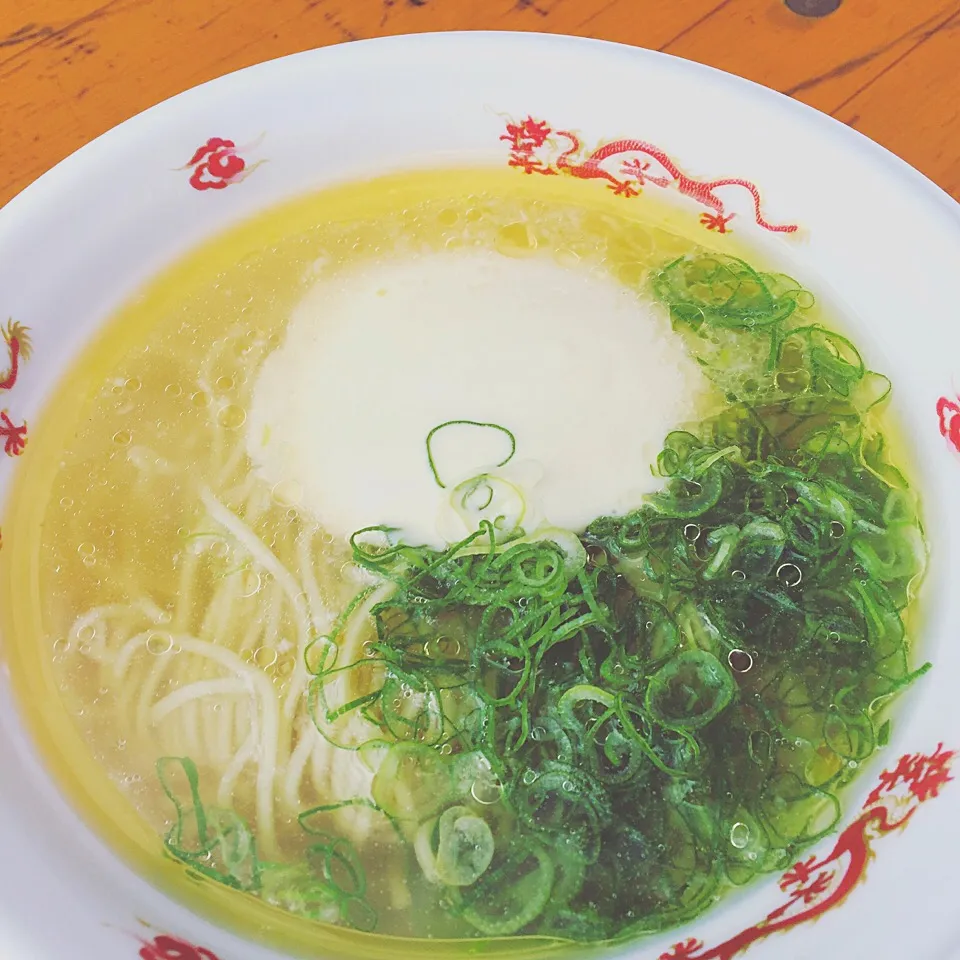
(71, 69)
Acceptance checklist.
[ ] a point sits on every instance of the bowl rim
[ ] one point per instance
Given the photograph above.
(87, 152)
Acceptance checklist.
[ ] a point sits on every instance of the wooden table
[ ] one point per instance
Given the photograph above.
(71, 69)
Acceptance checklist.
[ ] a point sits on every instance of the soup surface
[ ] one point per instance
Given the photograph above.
(462, 555)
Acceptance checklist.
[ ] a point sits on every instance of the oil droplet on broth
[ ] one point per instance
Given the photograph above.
(232, 416)
(487, 791)
(739, 835)
(159, 644)
(219, 548)
(516, 240)
(740, 661)
(442, 648)
(264, 657)
(251, 582)
(789, 574)
(287, 493)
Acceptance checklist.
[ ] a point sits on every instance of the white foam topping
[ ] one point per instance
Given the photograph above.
(587, 377)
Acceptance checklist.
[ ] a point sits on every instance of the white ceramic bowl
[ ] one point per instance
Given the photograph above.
(876, 236)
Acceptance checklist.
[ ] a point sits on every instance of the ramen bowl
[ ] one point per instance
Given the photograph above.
(722, 162)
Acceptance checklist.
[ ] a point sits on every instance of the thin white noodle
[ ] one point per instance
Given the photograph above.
(148, 688)
(262, 554)
(271, 622)
(297, 684)
(196, 670)
(189, 717)
(400, 896)
(296, 766)
(351, 643)
(134, 645)
(321, 767)
(236, 457)
(320, 616)
(206, 628)
(206, 713)
(196, 691)
(225, 719)
(209, 715)
(269, 724)
(97, 618)
(215, 406)
(244, 719)
(240, 492)
(257, 504)
(241, 758)
(254, 628)
(189, 561)
(227, 597)
(220, 736)
(334, 775)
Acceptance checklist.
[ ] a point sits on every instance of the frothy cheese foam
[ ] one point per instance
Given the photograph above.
(587, 376)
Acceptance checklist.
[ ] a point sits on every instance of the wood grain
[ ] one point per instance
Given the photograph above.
(71, 69)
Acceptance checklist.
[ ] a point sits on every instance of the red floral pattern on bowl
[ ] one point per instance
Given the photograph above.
(530, 142)
(218, 163)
